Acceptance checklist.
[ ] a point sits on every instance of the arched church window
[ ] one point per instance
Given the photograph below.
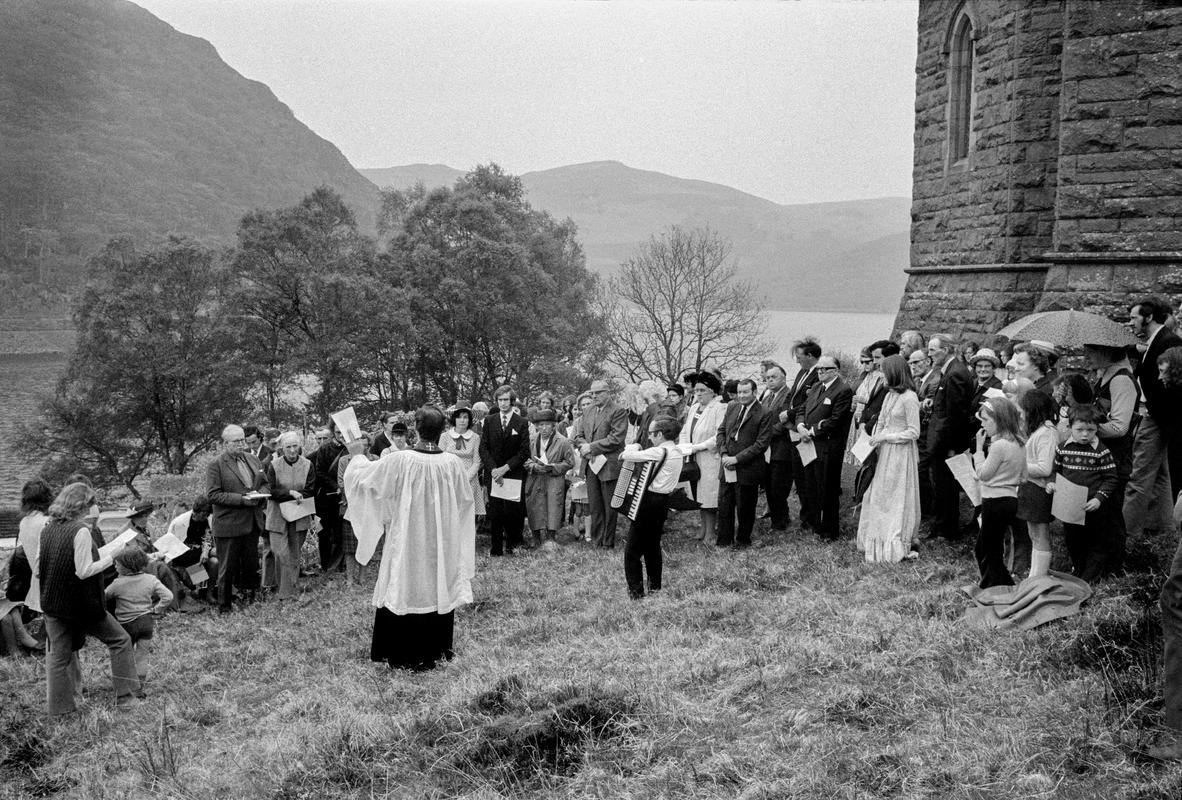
(961, 59)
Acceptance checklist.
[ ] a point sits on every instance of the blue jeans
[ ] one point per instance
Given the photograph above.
(61, 669)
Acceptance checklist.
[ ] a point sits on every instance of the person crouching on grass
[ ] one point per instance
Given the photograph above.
(138, 596)
(1085, 461)
(644, 534)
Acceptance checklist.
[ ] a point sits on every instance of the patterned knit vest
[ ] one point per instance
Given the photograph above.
(63, 595)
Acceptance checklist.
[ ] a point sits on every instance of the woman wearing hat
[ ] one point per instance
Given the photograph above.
(551, 456)
(983, 364)
(700, 436)
(464, 442)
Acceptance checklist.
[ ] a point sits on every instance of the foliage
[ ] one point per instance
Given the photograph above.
(497, 292)
(677, 305)
(310, 287)
(156, 370)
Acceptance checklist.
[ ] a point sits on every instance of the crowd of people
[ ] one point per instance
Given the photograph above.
(918, 423)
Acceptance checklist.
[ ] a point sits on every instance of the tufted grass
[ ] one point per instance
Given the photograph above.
(791, 670)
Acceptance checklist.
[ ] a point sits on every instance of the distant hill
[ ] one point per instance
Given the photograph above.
(114, 122)
(824, 256)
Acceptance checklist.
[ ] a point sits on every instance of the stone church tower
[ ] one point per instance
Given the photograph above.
(1048, 160)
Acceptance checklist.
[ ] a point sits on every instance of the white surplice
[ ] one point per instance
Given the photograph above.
(423, 504)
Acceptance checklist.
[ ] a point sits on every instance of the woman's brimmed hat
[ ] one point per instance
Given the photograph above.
(707, 379)
(985, 354)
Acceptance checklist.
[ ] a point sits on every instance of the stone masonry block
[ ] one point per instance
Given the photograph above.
(1161, 136)
(1097, 90)
(1090, 136)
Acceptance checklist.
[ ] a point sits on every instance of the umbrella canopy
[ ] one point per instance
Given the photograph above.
(1069, 330)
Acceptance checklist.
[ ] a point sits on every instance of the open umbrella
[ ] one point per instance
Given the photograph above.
(1069, 329)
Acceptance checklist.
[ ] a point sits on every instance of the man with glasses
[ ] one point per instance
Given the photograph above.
(949, 432)
(744, 434)
(806, 352)
(926, 380)
(644, 534)
(828, 411)
(236, 485)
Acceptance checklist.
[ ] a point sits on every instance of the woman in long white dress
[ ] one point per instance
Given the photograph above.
(465, 443)
(890, 509)
(700, 432)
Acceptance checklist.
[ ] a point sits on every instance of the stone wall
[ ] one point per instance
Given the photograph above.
(1072, 197)
(980, 226)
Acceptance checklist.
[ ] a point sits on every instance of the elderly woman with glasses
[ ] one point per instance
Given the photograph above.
(70, 570)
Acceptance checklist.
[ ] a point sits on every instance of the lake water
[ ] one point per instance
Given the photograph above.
(836, 331)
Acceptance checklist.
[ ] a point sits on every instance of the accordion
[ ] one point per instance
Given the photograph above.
(635, 478)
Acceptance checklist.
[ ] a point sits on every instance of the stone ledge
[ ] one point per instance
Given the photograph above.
(1119, 255)
(958, 269)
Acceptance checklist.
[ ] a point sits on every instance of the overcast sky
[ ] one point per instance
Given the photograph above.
(797, 101)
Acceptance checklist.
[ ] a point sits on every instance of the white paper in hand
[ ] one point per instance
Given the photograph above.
(1067, 504)
(170, 547)
(346, 420)
(197, 574)
(730, 474)
(597, 463)
(808, 452)
(862, 449)
(507, 489)
(993, 393)
(961, 467)
(118, 543)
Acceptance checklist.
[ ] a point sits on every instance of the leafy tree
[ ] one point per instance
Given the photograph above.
(678, 305)
(496, 290)
(157, 369)
(311, 289)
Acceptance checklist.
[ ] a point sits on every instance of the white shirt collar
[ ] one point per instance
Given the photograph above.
(466, 435)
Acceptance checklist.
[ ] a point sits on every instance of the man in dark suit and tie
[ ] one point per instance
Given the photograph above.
(778, 480)
(237, 519)
(828, 411)
(949, 432)
(504, 449)
(806, 351)
(745, 433)
(926, 380)
(599, 434)
(255, 445)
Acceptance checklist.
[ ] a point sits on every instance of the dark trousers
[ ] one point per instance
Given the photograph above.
(644, 543)
(823, 477)
(810, 511)
(1093, 545)
(505, 519)
(331, 542)
(945, 498)
(925, 474)
(603, 516)
(238, 560)
(1171, 622)
(997, 514)
(732, 498)
(777, 489)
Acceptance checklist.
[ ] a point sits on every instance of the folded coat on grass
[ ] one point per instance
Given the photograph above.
(1033, 602)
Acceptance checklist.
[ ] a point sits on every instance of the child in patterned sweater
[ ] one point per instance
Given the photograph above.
(1084, 461)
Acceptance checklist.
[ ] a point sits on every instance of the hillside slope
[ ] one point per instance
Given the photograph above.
(824, 256)
(114, 122)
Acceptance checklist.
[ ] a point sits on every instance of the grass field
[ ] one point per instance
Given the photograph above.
(791, 670)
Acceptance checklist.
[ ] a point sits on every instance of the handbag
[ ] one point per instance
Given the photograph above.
(20, 576)
(865, 475)
(690, 473)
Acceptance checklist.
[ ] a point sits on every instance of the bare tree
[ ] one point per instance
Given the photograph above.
(678, 305)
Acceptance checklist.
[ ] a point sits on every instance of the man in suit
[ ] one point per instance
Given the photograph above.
(926, 380)
(504, 449)
(237, 518)
(743, 436)
(806, 352)
(949, 432)
(331, 537)
(255, 445)
(601, 432)
(828, 411)
(778, 474)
